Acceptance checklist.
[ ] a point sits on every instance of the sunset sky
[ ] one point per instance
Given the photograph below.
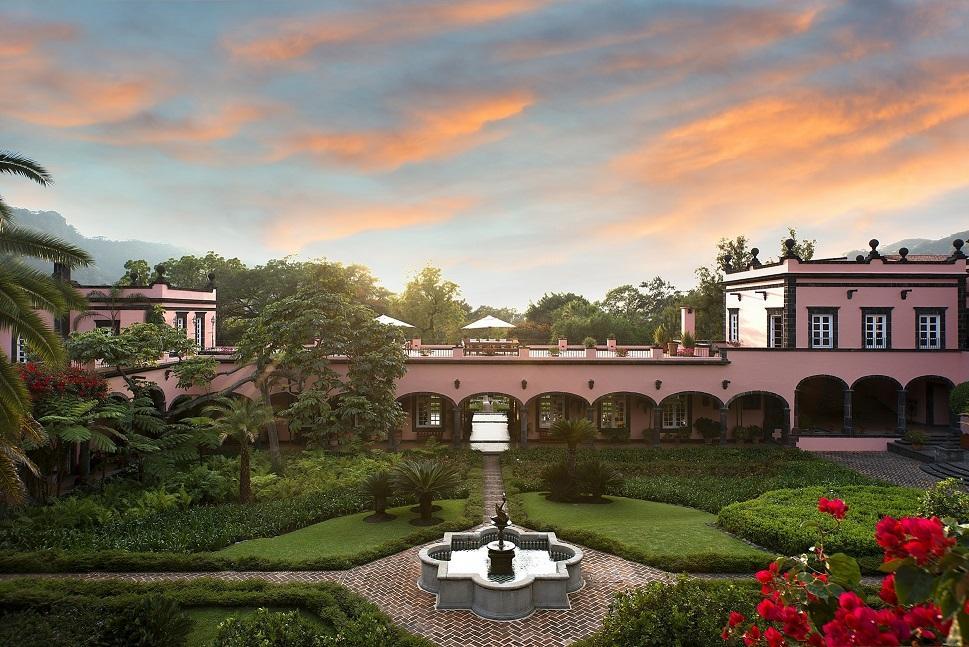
(522, 145)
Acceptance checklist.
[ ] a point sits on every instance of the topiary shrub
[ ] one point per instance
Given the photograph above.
(616, 434)
(708, 428)
(687, 613)
(266, 628)
(959, 398)
(946, 499)
(589, 342)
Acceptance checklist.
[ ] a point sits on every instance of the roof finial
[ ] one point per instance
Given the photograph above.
(903, 253)
(790, 244)
(211, 284)
(727, 267)
(873, 243)
(754, 261)
(160, 272)
(957, 253)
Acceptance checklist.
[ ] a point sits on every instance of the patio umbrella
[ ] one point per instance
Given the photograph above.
(488, 322)
(390, 321)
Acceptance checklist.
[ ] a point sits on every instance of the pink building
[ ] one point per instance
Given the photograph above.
(190, 310)
(829, 354)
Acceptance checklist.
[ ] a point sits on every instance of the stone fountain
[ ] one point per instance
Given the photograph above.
(500, 572)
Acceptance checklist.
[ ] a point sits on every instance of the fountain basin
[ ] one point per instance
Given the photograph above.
(545, 572)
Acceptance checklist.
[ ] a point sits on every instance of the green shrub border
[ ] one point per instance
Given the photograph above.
(712, 562)
(78, 561)
(335, 605)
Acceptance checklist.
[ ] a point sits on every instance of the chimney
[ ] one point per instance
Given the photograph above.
(687, 320)
(62, 272)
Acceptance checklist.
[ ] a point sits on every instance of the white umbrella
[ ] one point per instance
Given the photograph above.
(390, 321)
(488, 322)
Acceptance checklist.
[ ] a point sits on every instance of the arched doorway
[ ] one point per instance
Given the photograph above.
(427, 416)
(927, 402)
(689, 416)
(757, 416)
(623, 416)
(488, 420)
(819, 406)
(545, 408)
(874, 406)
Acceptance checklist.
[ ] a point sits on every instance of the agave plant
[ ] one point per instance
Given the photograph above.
(425, 480)
(380, 486)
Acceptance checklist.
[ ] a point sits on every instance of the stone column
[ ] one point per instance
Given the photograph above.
(786, 426)
(723, 425)
(848, 427)
(902, 423)
(523, 439)
(657, 424)
(456, 431)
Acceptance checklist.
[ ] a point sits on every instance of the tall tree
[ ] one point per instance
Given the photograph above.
(543, 311)
(241, 420)
(433, 305)
(137, 268)
(708, 295)
(24, 292)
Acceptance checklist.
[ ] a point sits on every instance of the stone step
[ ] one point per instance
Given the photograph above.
(948, 470)
(949, 452)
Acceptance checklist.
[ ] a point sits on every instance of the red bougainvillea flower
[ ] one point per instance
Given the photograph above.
(774, 638)
(735, 619)
(752, 636)
(834, 507)
(766, 578)
(924, 540)
(887, 592)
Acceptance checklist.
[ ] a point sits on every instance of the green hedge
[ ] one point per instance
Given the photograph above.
(79, 560)
(707, 478)
(786, 520)
(687, 613)
(78, 609)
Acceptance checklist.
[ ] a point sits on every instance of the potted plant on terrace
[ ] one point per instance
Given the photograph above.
(689, 343)
(589, 342)
(916, 437)
(741, 434)
(708, 428)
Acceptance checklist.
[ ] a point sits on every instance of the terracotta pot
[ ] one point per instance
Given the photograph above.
(671, 348)
(688, 351)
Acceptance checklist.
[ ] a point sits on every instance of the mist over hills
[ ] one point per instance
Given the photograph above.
(109, 255)
(916, 246)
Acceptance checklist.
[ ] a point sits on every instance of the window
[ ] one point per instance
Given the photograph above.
(775, 330)
(930, 329)
(20, 350)
(181, 320)
(429, 408)
(674, 413)
(200, 329)
(550, 409)
(823, 331)
(733, 329)
(876, 328)
(612, 413)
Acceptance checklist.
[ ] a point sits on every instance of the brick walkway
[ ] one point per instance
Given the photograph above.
(885, 466)
(391, 584)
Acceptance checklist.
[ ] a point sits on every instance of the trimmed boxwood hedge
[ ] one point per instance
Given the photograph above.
(706, 478)
(786, 520)
(188, 528)
(687, 613)
(60, 604)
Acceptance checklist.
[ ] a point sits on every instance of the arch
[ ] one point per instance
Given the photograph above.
(819, 405)
(541, 412)
(875, 405)
(157, 397)
(927, 402)
(421, 424)
(466, 399)
(702, 393)
(752, 419)
(855, 384)
(450, 400)
(843, 383)
(637, 416)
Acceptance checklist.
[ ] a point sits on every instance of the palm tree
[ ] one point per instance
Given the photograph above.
(425, 480)
(380, 487)
(242, 420)
(572, 433)
(24, 291)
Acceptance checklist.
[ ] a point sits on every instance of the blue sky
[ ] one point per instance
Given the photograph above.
(522, 145)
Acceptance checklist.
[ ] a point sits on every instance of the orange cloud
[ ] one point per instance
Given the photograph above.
(301, 222)
(151, 129)
(430, 133)
(291, 39)
(18, 38)
(812, 154)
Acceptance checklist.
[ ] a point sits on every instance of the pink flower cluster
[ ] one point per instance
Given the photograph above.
(788, 599)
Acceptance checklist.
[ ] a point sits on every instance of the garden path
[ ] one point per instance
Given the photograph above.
(391, 584)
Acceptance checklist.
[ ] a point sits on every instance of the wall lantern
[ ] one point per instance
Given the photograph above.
(905, 294)
(850, 293)
(658, 383)
(457, 384)
(725, 384)
(739, 296)
(764, 292)
(524, 384)
(592, 384)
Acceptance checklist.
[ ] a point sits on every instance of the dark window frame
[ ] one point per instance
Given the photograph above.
(834, 327)
(731, 313)
(931, 311)
(778, 341)
(888, 326)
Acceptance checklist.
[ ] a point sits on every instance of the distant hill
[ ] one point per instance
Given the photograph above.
(917, 246)
(109, 255)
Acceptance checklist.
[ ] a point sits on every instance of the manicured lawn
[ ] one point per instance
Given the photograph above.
(342, 536)
(668, 536)
(205, 622)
